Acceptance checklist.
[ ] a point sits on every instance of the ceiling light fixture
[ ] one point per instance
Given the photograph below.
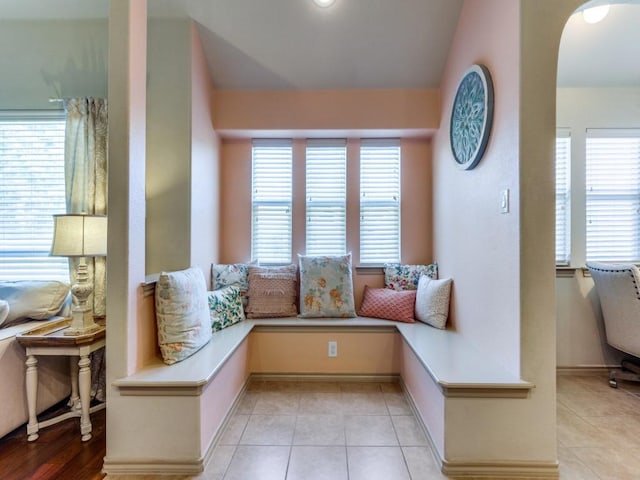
(595, 14)
(324, 3)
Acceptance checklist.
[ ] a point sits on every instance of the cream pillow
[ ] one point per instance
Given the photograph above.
(182, 314)
(4, 311)
(432, 301)
(33, 299)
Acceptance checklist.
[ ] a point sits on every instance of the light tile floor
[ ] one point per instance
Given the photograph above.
(367, 431)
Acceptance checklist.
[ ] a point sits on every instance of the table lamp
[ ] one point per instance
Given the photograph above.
(80, 235)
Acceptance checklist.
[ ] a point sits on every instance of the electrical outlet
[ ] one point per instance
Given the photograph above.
(333, 349)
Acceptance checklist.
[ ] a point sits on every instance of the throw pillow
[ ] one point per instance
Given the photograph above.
(4, 311)
(182, 314)
(225, 307)
(33, 299)
(224, 275)
(388, 304)
(405, 277)
(272, 292)
(326, 286)
(432, 301)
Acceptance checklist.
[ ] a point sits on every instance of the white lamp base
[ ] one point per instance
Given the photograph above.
(81, 323)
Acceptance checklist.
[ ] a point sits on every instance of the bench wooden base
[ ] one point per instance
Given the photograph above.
(456, 392)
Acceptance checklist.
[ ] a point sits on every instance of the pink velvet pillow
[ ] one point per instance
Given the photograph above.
(388, 304)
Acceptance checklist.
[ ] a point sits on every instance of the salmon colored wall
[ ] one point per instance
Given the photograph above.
(239, 112)
(220, 394)
(205, 164)
(371, 353)
(235, 187)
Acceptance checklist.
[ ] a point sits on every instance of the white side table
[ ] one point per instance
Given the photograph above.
(51, 340)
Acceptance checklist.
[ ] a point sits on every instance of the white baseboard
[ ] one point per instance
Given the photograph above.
(151, 466)
(502, 469)
(586, 370)
(324, 377)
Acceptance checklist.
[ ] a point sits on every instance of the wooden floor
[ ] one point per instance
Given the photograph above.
(58, 454)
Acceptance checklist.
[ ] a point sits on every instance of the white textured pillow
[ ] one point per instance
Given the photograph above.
(432, 301)
(33, 299)
(182, 314)
(4, 311)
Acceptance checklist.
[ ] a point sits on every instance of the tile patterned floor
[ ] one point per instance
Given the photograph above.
(366, 431)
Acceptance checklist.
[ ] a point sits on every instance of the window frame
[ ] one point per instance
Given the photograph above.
(326, 196)
(603, 193)
(279, 250)
(563, 151)
(32, 261)
(385, 200)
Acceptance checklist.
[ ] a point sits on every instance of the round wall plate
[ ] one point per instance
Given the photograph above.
(471, 116)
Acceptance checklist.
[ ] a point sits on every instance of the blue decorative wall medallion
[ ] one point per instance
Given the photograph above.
(471, 117)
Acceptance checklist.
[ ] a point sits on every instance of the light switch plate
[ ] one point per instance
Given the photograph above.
(504, 201)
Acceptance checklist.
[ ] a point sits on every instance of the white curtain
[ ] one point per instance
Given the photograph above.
(86, 192)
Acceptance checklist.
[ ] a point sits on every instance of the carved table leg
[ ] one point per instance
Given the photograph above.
(74, 401)
(32, 395)
(84, 379)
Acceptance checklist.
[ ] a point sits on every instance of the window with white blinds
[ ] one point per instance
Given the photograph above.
(563, 197)
(613, 195)
(31, 191)
(271, 201)
(379, 202)
(326, 197)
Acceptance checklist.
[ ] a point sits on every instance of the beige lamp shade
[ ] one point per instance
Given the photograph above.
(79, 235)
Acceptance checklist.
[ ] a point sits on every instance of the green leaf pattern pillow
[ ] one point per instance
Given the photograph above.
(225, 307)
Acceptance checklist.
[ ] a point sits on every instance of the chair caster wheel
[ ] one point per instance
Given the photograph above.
(613, 383)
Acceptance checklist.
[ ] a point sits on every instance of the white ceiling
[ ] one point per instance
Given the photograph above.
(292, 44)
(602, 54)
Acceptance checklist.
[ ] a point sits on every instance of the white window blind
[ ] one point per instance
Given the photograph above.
(271, 201)
(326, 194)
(31, 191)
(379, 201)
(563, 197)
(613, 195)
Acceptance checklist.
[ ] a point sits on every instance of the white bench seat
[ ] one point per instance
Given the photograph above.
(454, 364)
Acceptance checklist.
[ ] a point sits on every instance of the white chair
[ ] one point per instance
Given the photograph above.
(617, 286)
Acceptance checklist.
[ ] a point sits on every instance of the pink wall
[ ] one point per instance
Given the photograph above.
(235, 183)
(473, 242)
(359, 352)
(205, 164)
(393, 111)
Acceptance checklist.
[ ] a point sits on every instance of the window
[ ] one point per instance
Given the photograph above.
(613, 195)
(271, 201)
(563, 197)
(379, 202)
(31, 191)
(326, 194)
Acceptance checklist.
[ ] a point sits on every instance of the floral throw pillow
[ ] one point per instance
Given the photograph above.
(388, 304)
(224, 275)
(225, 307)
(326, 286)
(182, 314)
(405, 277)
